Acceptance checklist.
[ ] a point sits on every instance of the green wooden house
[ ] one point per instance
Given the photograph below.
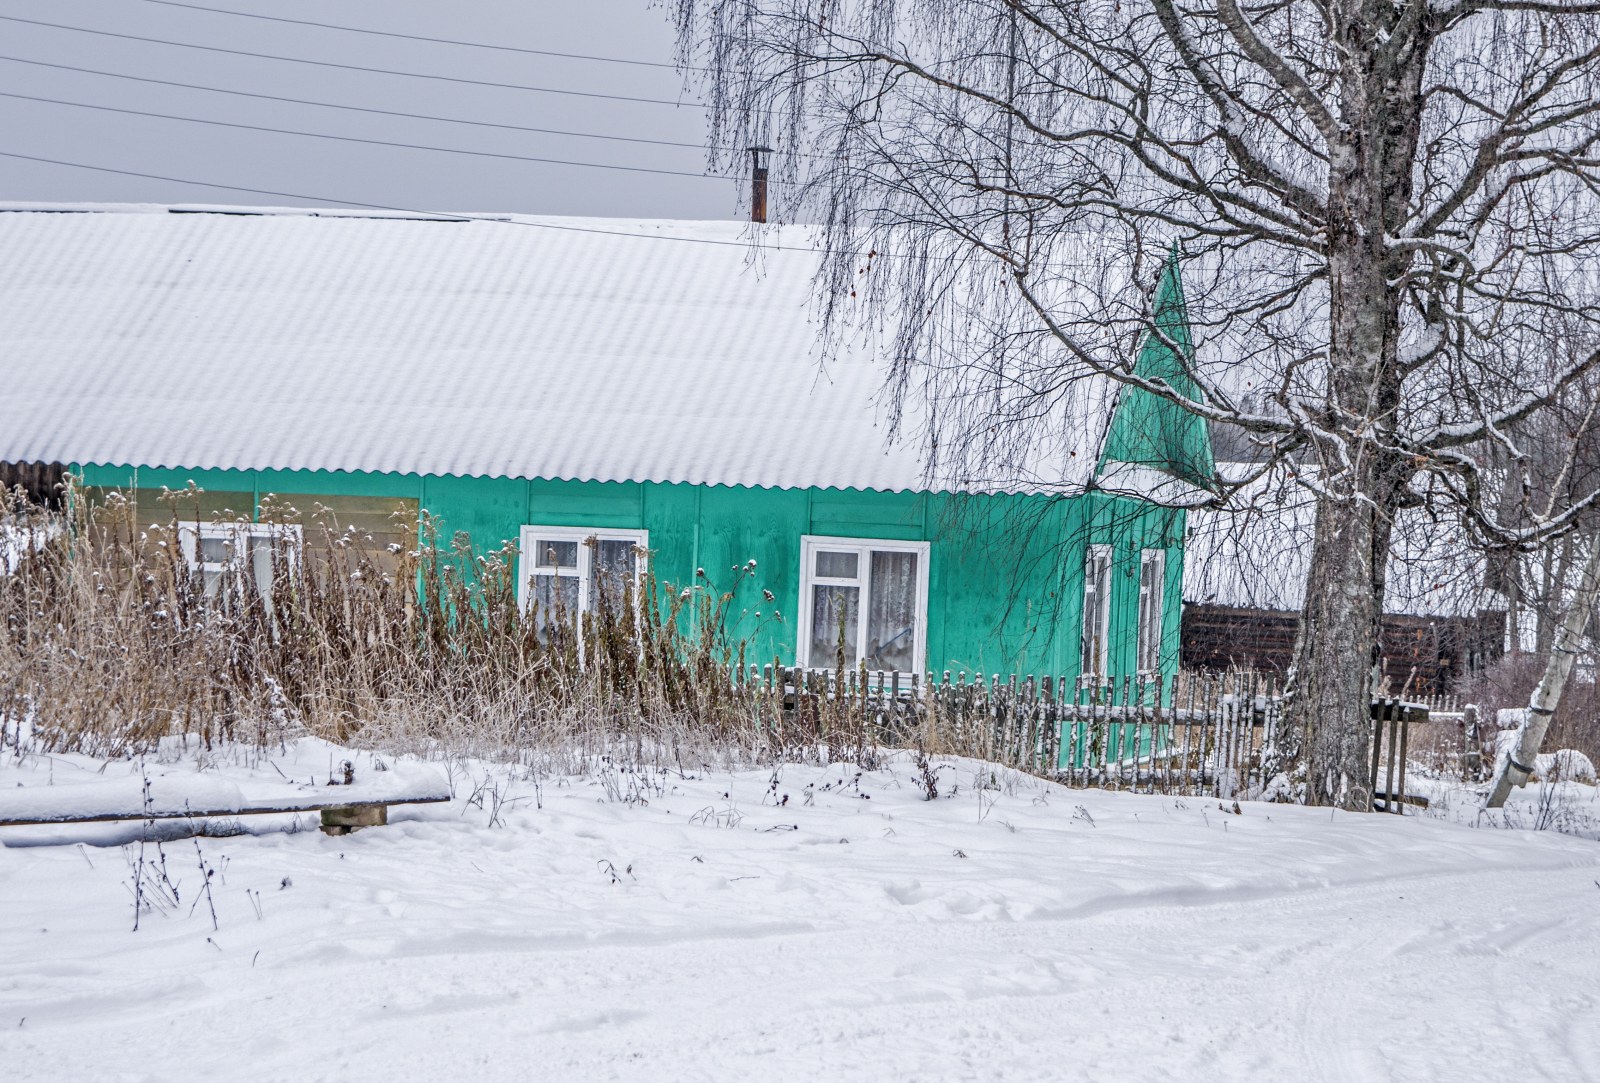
(654, 386)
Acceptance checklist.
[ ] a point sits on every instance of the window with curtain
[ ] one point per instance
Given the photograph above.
(567, 571)
(1152, 585)
(232, 558)
(1096, 611)
(865, 598)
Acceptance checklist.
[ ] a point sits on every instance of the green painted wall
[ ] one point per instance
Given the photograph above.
(1005, 572)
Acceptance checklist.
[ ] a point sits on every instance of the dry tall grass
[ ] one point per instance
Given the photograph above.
(110, 643)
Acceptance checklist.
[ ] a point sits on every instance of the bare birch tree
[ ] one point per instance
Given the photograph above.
(1515, 765)
(1558, 464)
(1387, 210)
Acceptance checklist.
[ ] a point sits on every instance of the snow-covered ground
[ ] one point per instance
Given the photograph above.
(619, 926)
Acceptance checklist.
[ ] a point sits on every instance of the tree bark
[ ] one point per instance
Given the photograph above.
(1328, 716)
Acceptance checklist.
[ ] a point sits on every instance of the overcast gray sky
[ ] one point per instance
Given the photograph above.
(330, 171)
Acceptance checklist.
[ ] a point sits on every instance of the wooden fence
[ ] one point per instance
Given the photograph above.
(1200, 734)
(1204, 734)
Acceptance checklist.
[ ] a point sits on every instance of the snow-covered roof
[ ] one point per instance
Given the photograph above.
(514, 346)
(1258, 554)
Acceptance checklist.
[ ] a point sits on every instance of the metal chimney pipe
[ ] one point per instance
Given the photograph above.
(758, 183)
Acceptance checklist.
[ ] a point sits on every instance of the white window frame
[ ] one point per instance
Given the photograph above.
(532, 533)
(1151, 619)
(811, 544)
(1092, 555)
(191, 534)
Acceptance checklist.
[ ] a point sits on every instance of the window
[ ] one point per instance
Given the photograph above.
(872, 593)
(1152, 585)
(564, 573)
(232, 556)
(1096, 611)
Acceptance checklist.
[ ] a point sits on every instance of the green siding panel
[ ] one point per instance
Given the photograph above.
(617, 504)
(98, 476)
(855, 513)
(737, 525)
(339, 483)
(490, 511)
(996, 561)
(671, 513)
(154, 477)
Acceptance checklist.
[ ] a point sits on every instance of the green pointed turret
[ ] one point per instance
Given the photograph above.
(1148, 429)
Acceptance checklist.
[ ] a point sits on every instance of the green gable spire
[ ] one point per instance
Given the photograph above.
(1147, 429)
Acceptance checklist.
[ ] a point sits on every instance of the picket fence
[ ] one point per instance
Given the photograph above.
(1202, 734)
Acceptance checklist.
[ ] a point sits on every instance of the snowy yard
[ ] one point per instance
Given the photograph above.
(858, 931)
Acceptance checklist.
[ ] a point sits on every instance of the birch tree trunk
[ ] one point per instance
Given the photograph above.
(1516, 767)
(1369, 189)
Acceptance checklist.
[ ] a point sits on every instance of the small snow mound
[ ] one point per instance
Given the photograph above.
(1508, 718)
(1564, 765)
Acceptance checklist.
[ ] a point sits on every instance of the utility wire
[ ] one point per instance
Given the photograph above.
(332, 202)
(359, 139)
(350, 108)
(413, 37)
(439, 215)
(349, 67)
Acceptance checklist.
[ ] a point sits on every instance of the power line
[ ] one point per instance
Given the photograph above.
(349, 67)
(334, 202)
(442, 215)
(350, 108)
(359, 139)
(413, 37)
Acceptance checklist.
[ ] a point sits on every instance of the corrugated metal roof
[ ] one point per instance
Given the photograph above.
(522, 347)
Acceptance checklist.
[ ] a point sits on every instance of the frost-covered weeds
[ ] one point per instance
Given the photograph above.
(110, 643)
